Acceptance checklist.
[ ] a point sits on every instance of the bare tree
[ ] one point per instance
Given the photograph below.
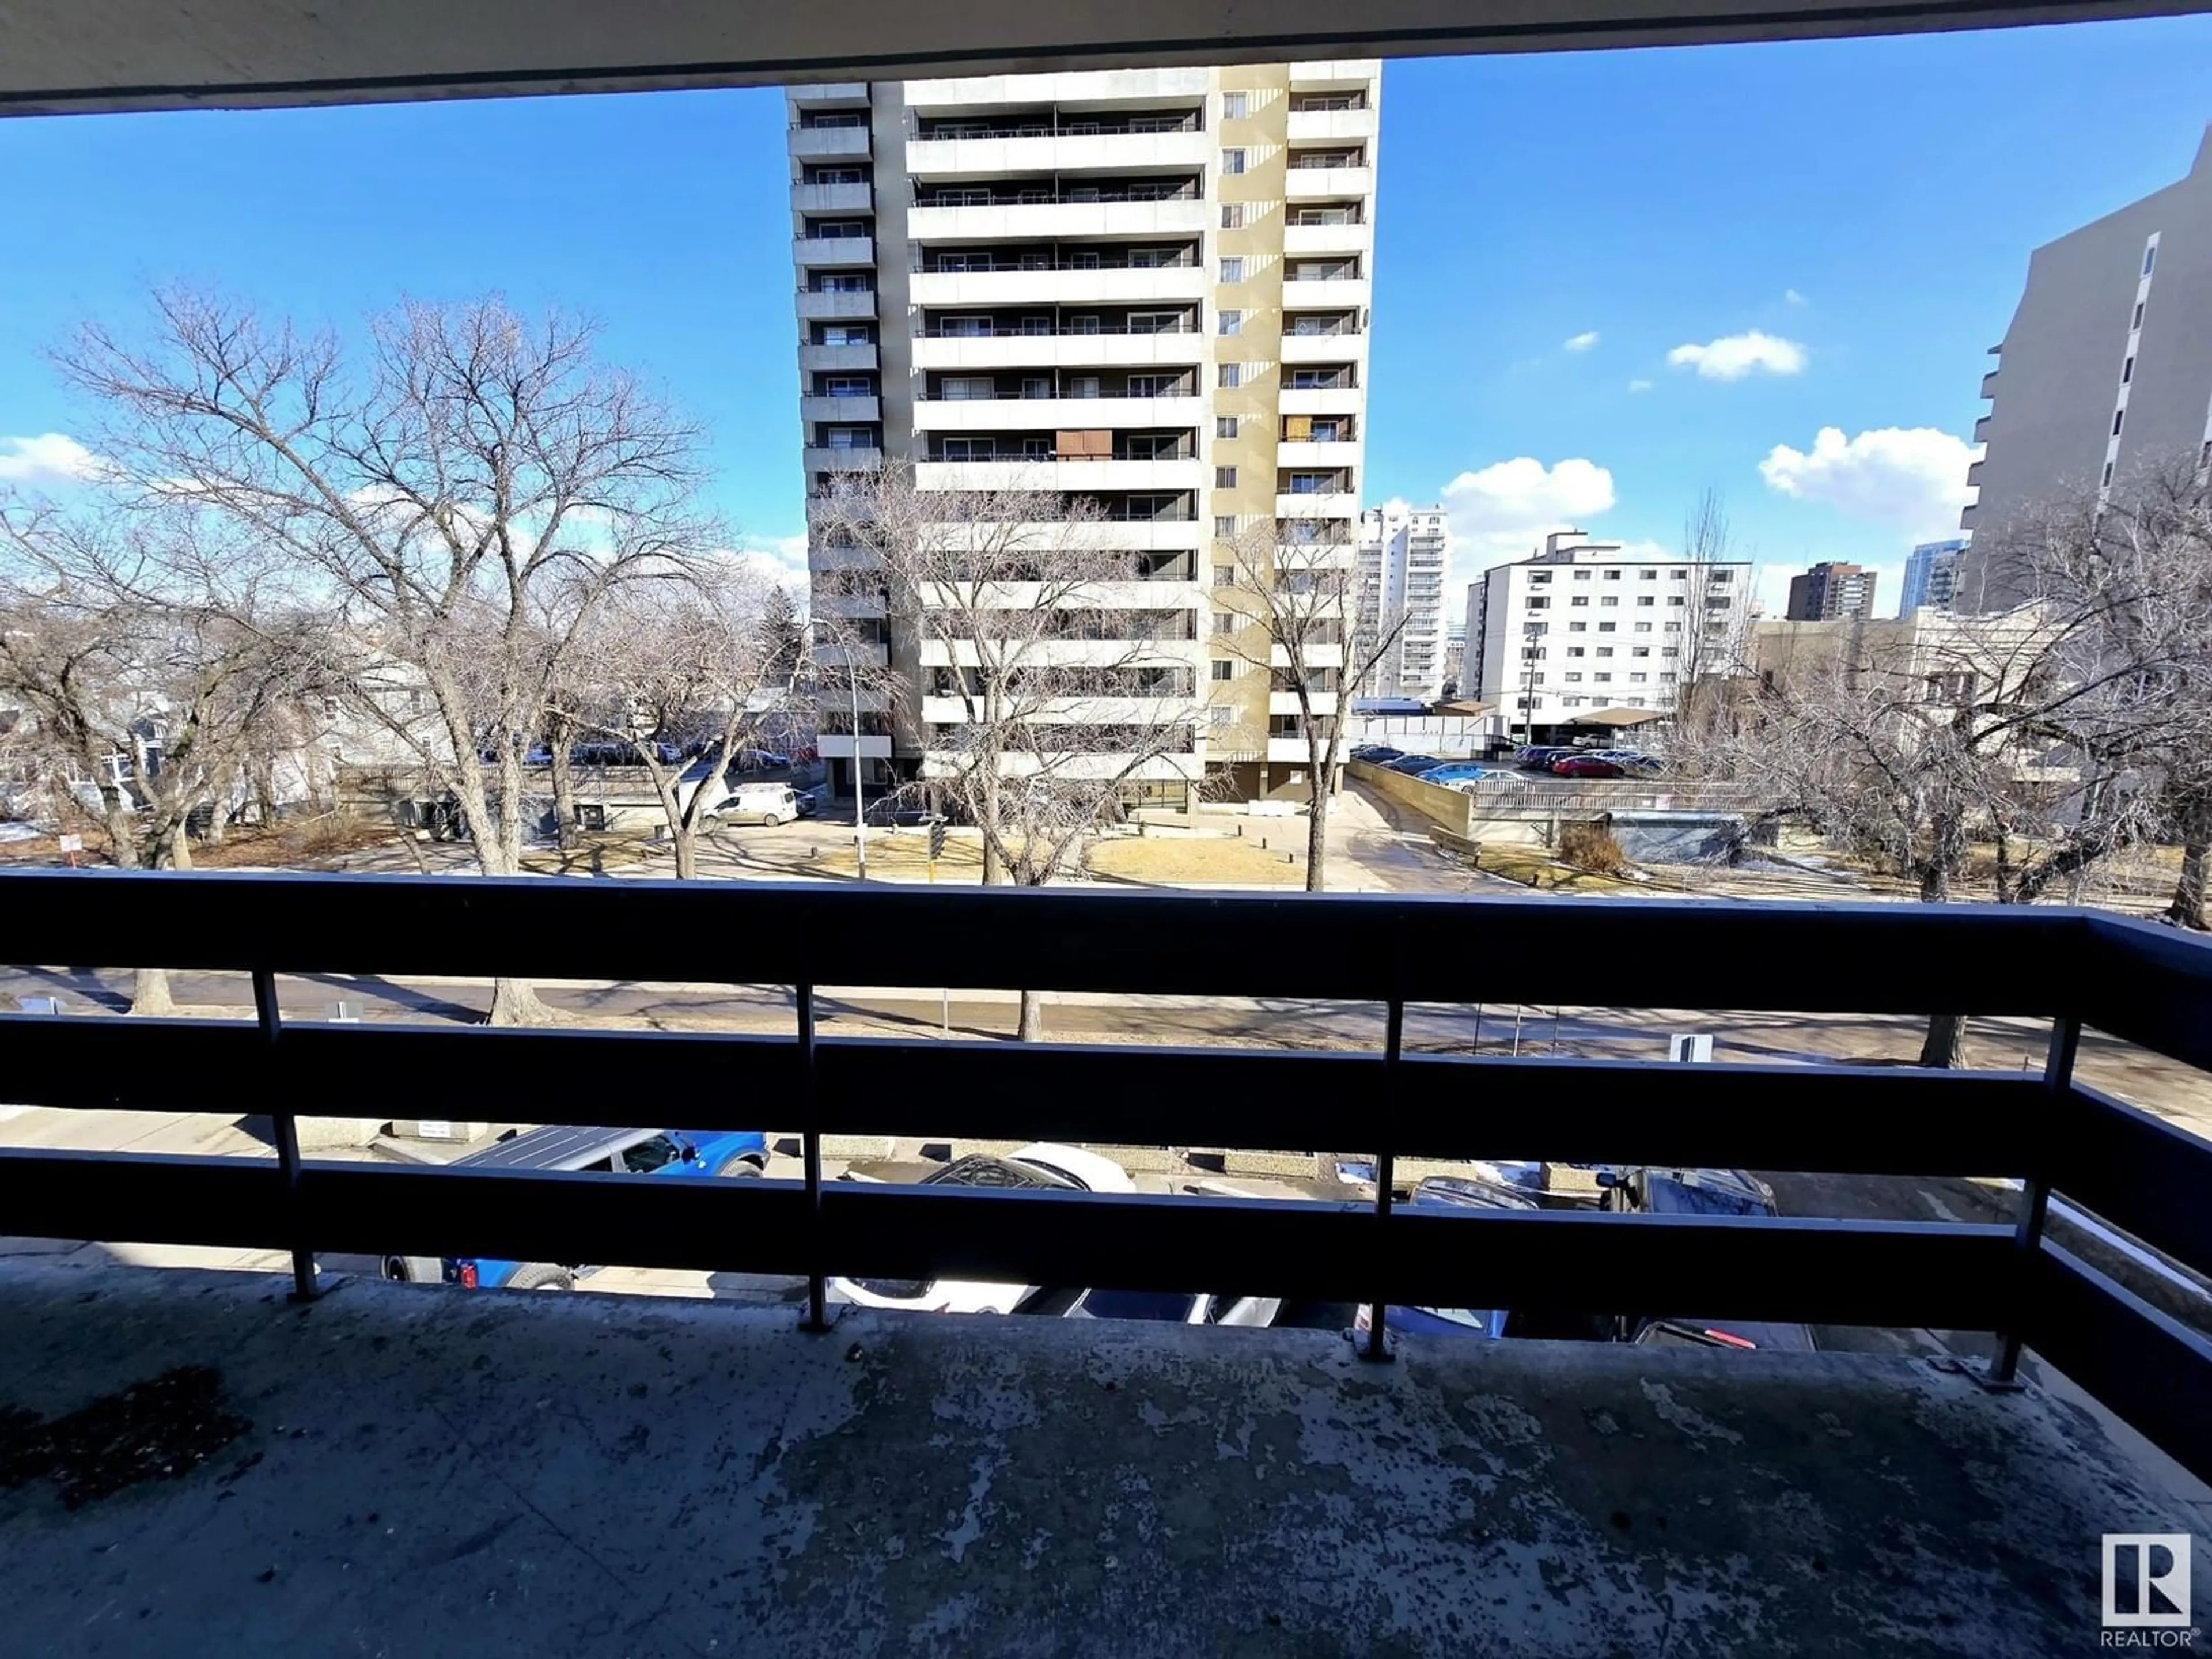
(1050, 685)
(153, 666)
(1298, 584)
(467, 488)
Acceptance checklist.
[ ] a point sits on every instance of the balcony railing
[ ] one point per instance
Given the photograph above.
(979, 266)
(926, 197)
(1011, 331)
(2137, 983)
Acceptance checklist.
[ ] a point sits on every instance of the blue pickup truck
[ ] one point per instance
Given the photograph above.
(725, 1152)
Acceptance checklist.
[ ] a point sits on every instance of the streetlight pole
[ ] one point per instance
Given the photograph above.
(860, 790)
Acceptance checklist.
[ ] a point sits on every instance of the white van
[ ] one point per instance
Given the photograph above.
(770, 804)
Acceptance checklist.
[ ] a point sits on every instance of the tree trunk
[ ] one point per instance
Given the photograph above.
(516, 1002)
(2187, 910)
(1032, 1029)
(557, 735)
(150, 993)
(684, 843)
(1318, 758)
(1944, 1045)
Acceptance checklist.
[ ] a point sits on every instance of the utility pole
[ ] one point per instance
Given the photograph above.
(1528, 649)
(860, 790)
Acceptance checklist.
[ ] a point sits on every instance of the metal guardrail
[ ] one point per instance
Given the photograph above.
(2139, 982)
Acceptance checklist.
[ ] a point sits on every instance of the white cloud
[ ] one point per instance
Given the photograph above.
(49, 459)
(1735, 355)
(1791, 296)
(1639, 386)
(1582, 342)
(788, 552)
(1505, 509)
(1911, 477)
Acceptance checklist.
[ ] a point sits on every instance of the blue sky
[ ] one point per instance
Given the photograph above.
(1865, 208)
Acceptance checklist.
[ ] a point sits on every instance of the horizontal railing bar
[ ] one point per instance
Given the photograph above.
(1942, 958)
(2146, 1366)
(2137, 1171)
(1832, 1119)
(1826, 1272)
(2148, 984)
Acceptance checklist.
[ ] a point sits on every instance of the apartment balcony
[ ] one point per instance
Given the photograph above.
(1094, 87)
(1336, 75)
(1286, 702)
(841, 409)
(856, 459)
(973, 354)
(1146, 712)
(1349, 346)
(1076, 152)
(1335, 400)
(1328, 239)
(1132, 595)
(1048, 221)
(1049, 414)
(811, 356)
(1343, 453)
(1112, 652)
(1312, 126)
(1317, 656)
(1325, 293)
(828, 143)
(1169, 766)
(833, 198)
(844, 745)
(836, 308)
(1982, 430)
(1990, 383)
(832, 252)
(425, 1468)
(1292, 749)
(1131, 535)
(1318, 504)
(1327, 184)
(1974, 474)
(854, 653)
(1059, 475)
(823, 604)
(1075, 285)
(828, 95)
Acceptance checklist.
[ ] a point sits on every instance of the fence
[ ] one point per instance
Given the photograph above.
(2139, 982)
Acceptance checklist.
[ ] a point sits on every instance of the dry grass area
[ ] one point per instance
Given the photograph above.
(1539, 870)
(904, 856)
(1184, 861)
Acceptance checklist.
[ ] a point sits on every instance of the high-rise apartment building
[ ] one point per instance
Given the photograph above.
(1146, 288)
(1931, 576)
(1581, 626)
(2105, 372)
(1402, 569)
(1831, 590)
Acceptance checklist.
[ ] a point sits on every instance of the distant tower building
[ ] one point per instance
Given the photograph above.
(1931, 576)
(2105, 373)
(1401, 570)
(1832, 590)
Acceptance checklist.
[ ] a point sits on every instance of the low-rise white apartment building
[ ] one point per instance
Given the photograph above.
(1401, 574)
(1582, 625)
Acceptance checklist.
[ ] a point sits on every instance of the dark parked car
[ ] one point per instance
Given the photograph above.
(1412, 765)
(1375, 754)
(1457, 1193)
(1537, 758)
(1702, 1193)
(809, 802)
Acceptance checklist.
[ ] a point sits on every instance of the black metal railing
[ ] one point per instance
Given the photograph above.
(2140, 983)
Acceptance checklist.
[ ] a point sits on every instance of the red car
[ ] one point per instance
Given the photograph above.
(1586, 766)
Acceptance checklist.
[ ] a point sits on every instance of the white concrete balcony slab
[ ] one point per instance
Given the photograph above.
(828, 95)
(1099, 88)
(847, 605)
(833, 198)
(1327, 184)
(1049, 414)
(841, 409)
(1347, 453)
(1317, 656)
(832, 252)
(1288, 749)
(1129, 284)
(1131, 595)
(837, 356)
(836, 308)
(1045, 221)
(1176, 765)
(1350, 348)
(1286, 702)
(938, 653)
(825, 459)
(828, 143)
(1334, 555)
(1134, 535)
(851, 654)
(1325, 293)
(1333, 400)
(1316, 126)
(1328, 239)
(1318, 504)
(1154, 712)
(970, 353)
(1059, 475)
(1101, 152)
(1336, 75)
(840, 745)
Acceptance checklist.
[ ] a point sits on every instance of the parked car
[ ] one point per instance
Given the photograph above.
(1537, 758)
(809, 802)
(1376, 753)
(1412, 765)
(1043, 1167)
(1702, 1193)
(1458, 772)
(1586, 766)
(1458, 1192)
(890, 812)
(1175, 1307)
(724, 1152)
(767, 803)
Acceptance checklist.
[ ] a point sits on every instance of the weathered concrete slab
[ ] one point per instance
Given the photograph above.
(412, 1471)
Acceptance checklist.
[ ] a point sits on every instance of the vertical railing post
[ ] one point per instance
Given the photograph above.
(809, 1094)
(1386, 1167)
(2035, 1190)
(287, 1129)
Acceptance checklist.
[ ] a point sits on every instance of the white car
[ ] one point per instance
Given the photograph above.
(768, 803)
(1043, 1167)
(1178, 1307)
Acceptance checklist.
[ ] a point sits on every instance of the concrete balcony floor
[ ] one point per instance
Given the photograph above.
(413, 1470)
